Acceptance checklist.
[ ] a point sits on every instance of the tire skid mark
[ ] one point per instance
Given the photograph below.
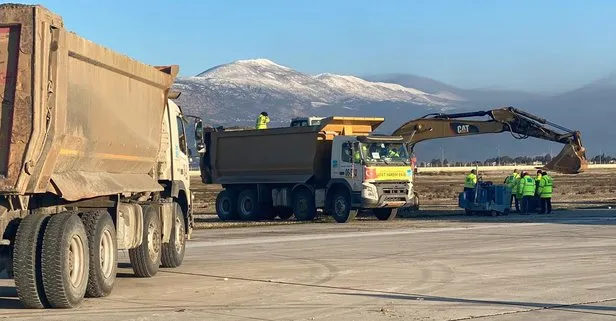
(449, 273)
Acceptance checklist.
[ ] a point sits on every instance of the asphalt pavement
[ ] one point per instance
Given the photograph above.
(556, 267)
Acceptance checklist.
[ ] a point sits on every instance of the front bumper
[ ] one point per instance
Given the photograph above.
(387, 194)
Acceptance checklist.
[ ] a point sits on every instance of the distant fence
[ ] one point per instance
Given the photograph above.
(499, 168)
(481, 168)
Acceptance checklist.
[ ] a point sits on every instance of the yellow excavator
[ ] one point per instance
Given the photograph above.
(486, 197)
(521, 125)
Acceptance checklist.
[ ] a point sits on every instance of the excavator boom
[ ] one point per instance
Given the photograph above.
(521, 125)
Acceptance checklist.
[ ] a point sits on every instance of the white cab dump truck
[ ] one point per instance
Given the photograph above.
(338, 166)
(93, 159)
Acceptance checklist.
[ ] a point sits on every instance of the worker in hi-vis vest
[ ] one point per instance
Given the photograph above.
(545, 193)
(527, 188)
(262, 121)
(469, 185)
(512, 182)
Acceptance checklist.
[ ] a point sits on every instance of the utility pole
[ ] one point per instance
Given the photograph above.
(498, 155)
(442, 155)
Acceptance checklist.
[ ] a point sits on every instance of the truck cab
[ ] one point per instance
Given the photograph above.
(377, 171)
(306, 121)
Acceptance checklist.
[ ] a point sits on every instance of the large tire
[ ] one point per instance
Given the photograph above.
(341, 209)
(103, 246)
(385, 214)
(65, 260)
(248, 206)
(27, 261)
(304, 205)
(226, 206)
(173, 252)
(145, 259)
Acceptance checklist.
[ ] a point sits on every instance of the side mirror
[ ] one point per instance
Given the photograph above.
(200, 146)
(199, 130)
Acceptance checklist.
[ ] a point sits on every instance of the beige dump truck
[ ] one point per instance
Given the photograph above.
(93, 159)
(338, 166)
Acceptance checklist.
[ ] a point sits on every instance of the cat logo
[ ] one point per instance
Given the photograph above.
(463, 129)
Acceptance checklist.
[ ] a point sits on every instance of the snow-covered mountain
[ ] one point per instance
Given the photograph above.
(234, 93)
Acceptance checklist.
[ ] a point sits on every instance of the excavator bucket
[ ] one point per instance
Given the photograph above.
(570, 160)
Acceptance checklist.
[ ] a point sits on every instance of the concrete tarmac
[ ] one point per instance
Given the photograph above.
(556, 267)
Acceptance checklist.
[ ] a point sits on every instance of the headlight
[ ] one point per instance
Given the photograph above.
(369, 191)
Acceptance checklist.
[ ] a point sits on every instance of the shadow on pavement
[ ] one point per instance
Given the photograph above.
(531, 305)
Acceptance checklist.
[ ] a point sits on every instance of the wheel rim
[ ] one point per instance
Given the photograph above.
(247, 205)
(179, 234)
(340, 205)
(76, 261)
(154, 241)
(302, 205)
(106, 254)
(225, 205)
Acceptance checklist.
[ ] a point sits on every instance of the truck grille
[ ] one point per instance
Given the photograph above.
(393, 192)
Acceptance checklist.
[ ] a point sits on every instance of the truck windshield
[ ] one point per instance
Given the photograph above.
(384, 152)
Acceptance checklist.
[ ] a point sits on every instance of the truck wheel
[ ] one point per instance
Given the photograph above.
(284, 213)
(173, 252)
(341, 207)
(145, 258)
(27, 261)
(226, 206)
(248, 205)
(303, 205)
(385, 214)
(103, 248)
(65, 260)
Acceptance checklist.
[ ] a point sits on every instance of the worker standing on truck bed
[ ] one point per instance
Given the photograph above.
(512, 182)
(262, 120)
(469, 185)
(545, 193)
(527, 187)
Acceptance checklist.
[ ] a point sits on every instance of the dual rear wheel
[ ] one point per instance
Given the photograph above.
(244, 205)
(60, 259)
(51, 260)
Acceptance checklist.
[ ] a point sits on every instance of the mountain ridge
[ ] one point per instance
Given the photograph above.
(234, 93)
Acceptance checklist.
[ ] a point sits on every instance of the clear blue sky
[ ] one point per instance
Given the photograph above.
(548, 45)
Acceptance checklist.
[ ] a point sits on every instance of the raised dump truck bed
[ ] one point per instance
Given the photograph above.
(77, 119)
(281, 155)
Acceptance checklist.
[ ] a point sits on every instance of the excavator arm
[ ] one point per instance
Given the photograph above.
(521, 125)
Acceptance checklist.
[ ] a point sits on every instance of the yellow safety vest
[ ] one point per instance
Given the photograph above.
(528, 186)
(511, 180)
(545, 187)
(262, 122)
(470, 181)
